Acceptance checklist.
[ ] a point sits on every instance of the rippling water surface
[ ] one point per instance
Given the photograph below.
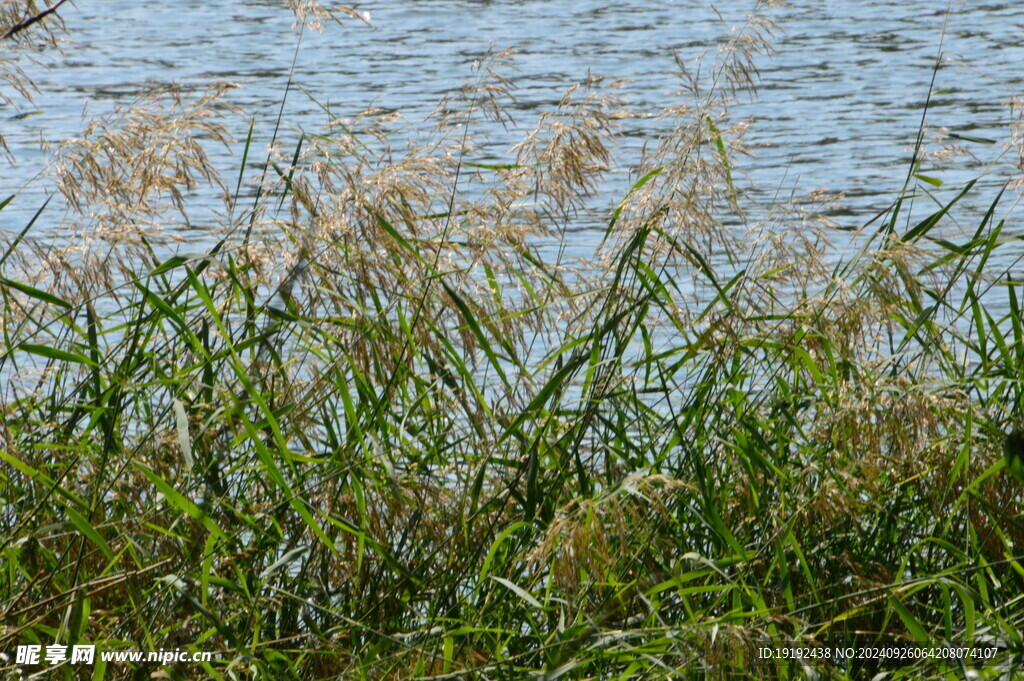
(838, 107)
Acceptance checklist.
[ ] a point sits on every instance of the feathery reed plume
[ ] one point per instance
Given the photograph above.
(25, 28)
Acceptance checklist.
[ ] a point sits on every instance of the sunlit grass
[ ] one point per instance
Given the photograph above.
(374, 433)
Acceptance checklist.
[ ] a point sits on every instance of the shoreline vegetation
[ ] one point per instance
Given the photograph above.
(376, 433)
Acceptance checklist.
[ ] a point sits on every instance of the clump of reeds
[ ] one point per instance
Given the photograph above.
(374, 432)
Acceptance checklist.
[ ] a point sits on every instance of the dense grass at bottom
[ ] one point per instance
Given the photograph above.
(653, 496)
(384, 438)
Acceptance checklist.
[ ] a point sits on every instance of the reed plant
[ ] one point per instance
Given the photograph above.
(385, 427)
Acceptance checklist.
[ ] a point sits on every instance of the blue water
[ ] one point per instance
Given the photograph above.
(838, 108)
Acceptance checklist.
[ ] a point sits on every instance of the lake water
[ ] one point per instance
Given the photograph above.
(838, 107)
